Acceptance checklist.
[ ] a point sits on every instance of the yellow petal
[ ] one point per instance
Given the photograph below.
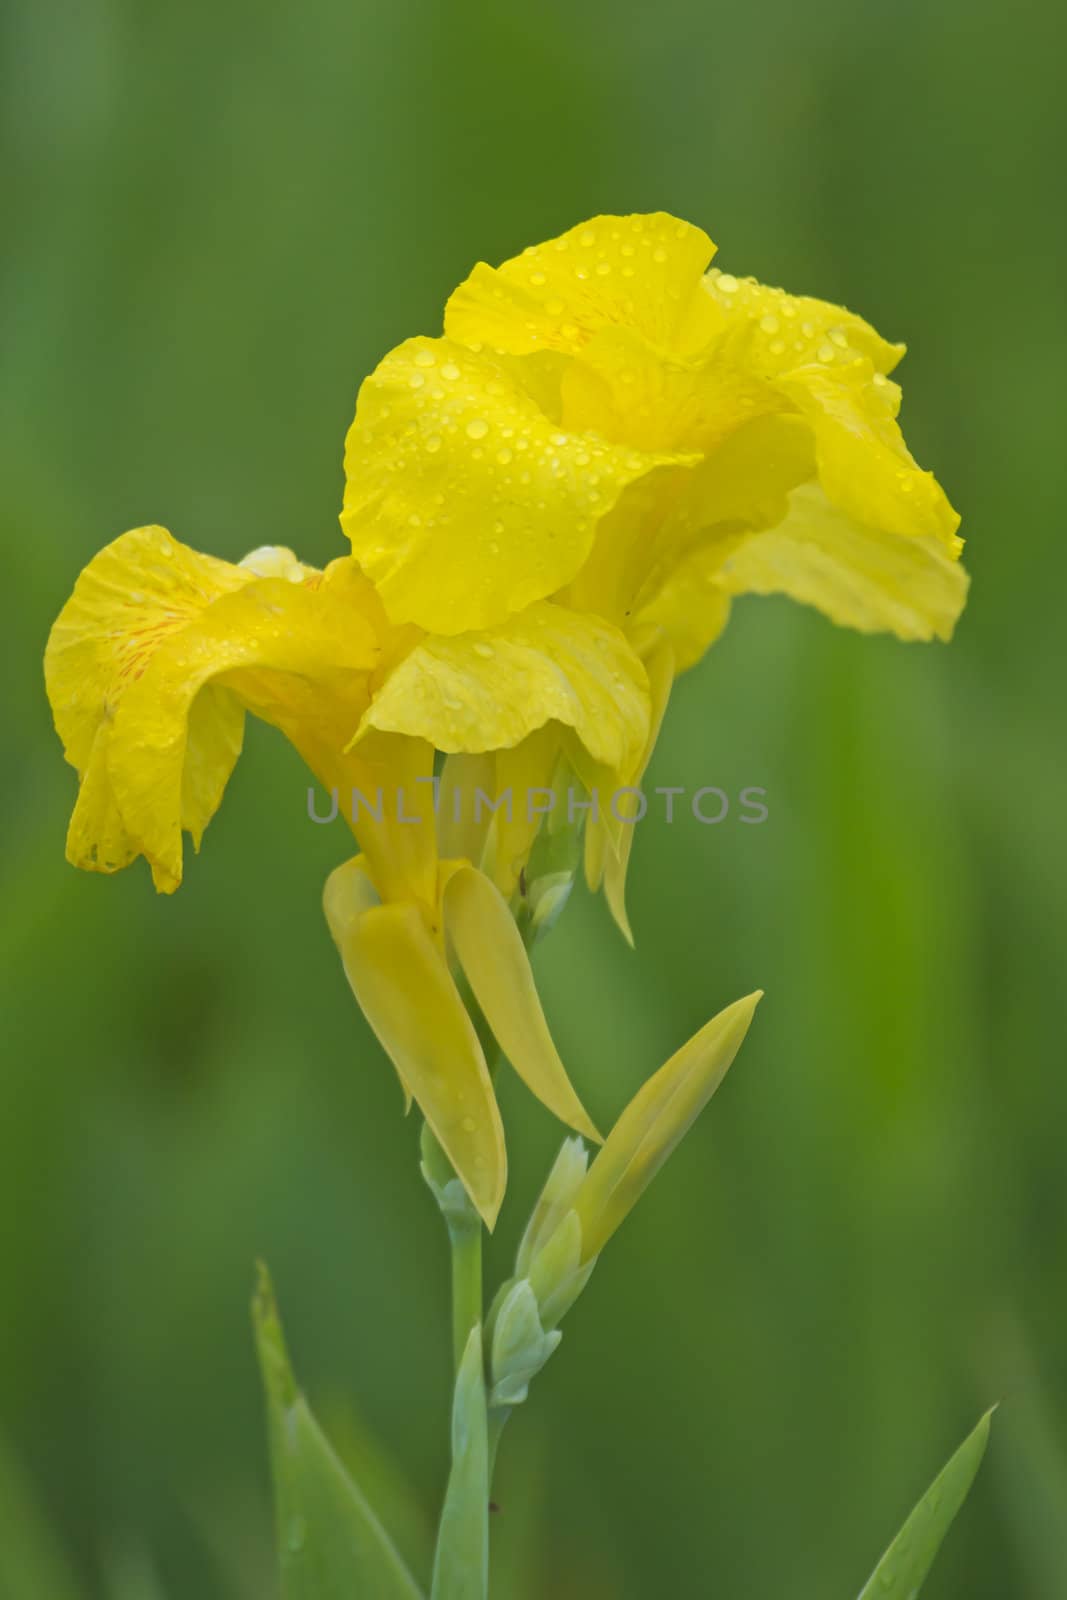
(859, 576)
(396, 827)
(642, 272)
(404, 988)
(784, 331)
(156, 655)
(653, 1124)
(526, 771)
(743, 486)
(492, 954)
(864, 465)
(464, 500)
(489, 689)
(659, 664)
(625, 389)
(132, 596)
(464, 819)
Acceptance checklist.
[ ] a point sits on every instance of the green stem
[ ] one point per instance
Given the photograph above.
(465, 1238)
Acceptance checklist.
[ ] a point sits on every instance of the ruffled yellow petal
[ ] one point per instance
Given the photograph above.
(654, 562)
(640, 272)
(784, 331)
(152, 663)
(490, 689)
(631, 393)
(298, 656)
(464, 500)
(863, 463)
(403, 986)
(860, 577)
(132, 596)
(493, 957)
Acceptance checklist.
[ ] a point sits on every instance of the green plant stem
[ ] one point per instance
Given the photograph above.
(465, 1238)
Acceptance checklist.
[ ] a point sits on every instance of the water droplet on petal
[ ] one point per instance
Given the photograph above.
(477, 428)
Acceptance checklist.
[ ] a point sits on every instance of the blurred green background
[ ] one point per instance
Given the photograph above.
(218, 218)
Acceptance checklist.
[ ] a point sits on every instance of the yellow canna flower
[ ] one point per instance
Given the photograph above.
(150, 669)
(611, 426)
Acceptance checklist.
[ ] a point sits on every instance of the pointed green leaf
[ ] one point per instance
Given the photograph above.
(331, 1546)
(461, 1566)
(902, 1570)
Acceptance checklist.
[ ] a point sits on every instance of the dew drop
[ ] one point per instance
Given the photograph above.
(450, 371)
(659, 254)
(825, 352)
(503, 456)
(416, 380)
(424, 358)
(769, 324)
(433, 442)
(482, 649)
(537, 279)
(727, 283)
(477, 428)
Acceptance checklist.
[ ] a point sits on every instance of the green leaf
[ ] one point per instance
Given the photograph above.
(461, 1565)
(33, 1564)
(331, 1546)
(902, 1570)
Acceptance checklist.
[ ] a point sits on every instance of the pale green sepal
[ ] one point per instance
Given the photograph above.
(520, 1346)
(461, 1563)
(548, 898)
(901, 1571)
(554, 1201)
(331, 1546)
(557, 1273)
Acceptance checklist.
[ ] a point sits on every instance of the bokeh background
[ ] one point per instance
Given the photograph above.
(218, 218)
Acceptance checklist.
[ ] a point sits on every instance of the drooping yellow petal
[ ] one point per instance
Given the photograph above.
(659, 663)
(653, 1124)
(488, 690)
(858, 576)
(464, 500)
(132, 596)
(525, 771)
(863, 463)
(406, 992)
(466, 805)
(491, 953)
(152, 663)
(393, 806)
(641, 272)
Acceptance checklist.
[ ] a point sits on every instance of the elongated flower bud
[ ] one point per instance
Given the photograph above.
(655, 1121)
